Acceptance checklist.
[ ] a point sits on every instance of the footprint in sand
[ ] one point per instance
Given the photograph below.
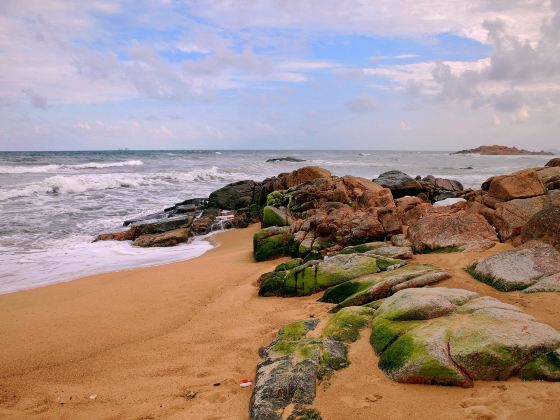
(358, 403)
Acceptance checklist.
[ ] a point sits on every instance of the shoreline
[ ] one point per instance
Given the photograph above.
(138, 339)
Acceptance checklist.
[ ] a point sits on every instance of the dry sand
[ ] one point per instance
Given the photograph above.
(145, 341)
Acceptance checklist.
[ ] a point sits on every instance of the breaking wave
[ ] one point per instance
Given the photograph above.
(54, 168)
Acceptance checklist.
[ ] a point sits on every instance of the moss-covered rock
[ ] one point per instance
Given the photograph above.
(317, 275)
(271, 242)
(368, 288)
(345, 325)
(544, 368)
(273, 216)
(452, 337)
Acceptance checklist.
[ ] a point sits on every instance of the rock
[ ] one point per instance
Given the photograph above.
(272, 242)
(273, 216)
(169, 238)
(234, 196)
(390, 251)
(400, 240)
(449, 232)
(366, 289)
(550, 177)
(543, 368)
(452, 337)
(511, 216)
(161, 225)
(314, 276)
(449, 202)
(399, 183)
(545, 284)
(543, 226)
(446, 195)
(127, 235)
(433, 186)
(553, 162)
(499, 150)
(294, 361)
(519, 268)
(522, 184)
(285, 159)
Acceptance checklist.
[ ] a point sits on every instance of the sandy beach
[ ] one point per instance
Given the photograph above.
(174, 341)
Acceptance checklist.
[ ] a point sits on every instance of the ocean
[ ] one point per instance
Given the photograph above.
(52, 204)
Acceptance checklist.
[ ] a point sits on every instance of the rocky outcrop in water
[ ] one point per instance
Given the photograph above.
(500, 150)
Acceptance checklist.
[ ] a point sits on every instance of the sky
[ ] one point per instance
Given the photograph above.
(279, 74)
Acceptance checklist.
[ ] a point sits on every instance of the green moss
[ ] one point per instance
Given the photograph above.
(277, 199)
(288, 265)
(337, 294)
(271, 283)
(384, 263)
(305, 414)
(375, 304)
(273, 217)
(496, 283)
(346, 325)
(545, 368)
(268, 247)
(398, 354)
(384, 332)
(289, 337)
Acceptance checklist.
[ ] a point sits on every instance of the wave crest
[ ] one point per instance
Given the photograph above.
(54, 167)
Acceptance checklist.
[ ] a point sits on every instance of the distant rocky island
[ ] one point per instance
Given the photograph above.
(501, 150)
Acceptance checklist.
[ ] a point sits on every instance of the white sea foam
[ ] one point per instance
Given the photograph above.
(54, 168)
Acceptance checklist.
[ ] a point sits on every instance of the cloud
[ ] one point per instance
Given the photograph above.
(36, 100)
(362, 104)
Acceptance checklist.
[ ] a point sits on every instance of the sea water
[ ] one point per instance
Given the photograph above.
(52, 204)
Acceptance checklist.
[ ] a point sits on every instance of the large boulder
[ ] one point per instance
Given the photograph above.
(543, 226)
(519, 268)
(510, 217)
(553, 162)
(452, 337)
(522, 184)
(451, 232)
(399, 183)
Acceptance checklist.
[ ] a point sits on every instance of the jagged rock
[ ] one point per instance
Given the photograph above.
(294, 361)
(272, 242)
(433, 186)
(519, 268)
(450, 232)
(169, 238)
(543, 226)
(399, 183)
(317, 275)
(234, 196)
(522, 184)
(553, 162)
(453, 336)
(510, 217)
